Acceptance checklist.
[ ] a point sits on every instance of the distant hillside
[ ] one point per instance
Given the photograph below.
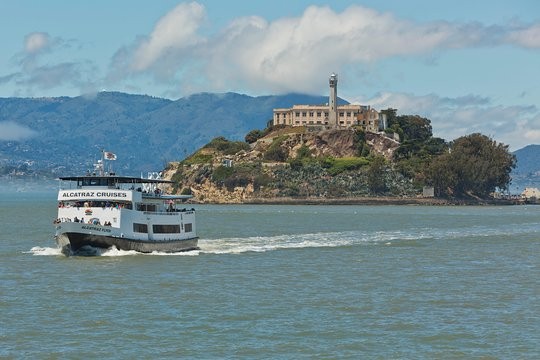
(527, 171)
(528, 160)
(145, 132)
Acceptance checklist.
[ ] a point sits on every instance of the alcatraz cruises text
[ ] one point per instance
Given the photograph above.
(91, 194)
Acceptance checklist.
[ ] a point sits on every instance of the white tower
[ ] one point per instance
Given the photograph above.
(332, 102)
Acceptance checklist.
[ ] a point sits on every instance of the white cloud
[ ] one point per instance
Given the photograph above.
(254, 55)
(451, 118)
(41, 66)
(290, 53)
(11, 131)
(528, 37)
(176, 30)
(47, 77)
(533, 136)
(36, 42)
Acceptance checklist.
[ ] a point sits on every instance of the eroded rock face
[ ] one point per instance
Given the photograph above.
(382, 145)
(333, 143)
(343, 143)
(336, 143)
(328, 143)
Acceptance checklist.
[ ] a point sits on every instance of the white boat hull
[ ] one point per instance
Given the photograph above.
(71, 237)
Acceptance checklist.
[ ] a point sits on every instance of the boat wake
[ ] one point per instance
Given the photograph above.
(44, 251)
(269, 243)
(239, 245)
(92, 251)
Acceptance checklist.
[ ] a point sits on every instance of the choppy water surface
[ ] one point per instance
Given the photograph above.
(281, 282)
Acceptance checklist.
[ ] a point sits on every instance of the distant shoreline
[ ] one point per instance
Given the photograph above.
(369, 201)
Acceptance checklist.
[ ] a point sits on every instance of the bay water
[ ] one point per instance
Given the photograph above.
(280, 282)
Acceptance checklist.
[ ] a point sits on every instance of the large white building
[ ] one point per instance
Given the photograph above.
(331, 115)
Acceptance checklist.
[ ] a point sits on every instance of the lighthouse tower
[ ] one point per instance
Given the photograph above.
(332, 102)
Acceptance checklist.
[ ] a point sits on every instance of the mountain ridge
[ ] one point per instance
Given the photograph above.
(148, 132)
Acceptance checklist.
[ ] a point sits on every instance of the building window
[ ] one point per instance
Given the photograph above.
(166, 229)
(304, 114)
(311, 113)
(348, 114)
(140, 228)
(341, 114)
(297, 114)
(318, 114)
(326, 114)
(188, 227)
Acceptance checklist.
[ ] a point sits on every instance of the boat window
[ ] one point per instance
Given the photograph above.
(147, 207)
(165, 229)
(140, 228)
(95, 182)
(188, 227)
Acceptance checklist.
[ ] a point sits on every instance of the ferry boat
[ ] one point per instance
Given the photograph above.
(102, 210)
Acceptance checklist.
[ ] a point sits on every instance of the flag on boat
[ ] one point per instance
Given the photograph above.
(109, 155)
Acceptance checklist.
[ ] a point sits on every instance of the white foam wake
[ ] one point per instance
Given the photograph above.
(269, 243)
(117, 252)
(238, 245)
(44, 251)
(111, 252)
(263, 243)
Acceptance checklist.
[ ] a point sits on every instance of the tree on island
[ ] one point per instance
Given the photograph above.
(375, 176)
(417, 147)
(474, 165)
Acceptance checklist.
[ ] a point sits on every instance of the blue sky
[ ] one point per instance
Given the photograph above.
(469, 66)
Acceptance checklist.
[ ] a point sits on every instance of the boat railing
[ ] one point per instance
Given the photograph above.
(152, 194)
(158, 213)
(112, 206)
(174, 212)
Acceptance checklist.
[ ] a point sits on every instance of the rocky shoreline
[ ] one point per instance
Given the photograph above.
(369, 201)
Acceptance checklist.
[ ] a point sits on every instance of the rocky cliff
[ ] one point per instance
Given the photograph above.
(291, 163)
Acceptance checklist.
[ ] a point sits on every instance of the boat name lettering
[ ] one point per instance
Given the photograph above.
(95, 228)
(94, 194)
